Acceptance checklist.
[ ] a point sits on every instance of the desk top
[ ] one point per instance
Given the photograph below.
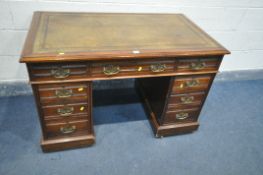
(64, 36)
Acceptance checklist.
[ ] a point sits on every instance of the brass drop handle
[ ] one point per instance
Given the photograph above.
(64, 93)
(65, 111)
(68, 129)
(182, 115)
(158, 67)
(60, 73)
(197, 65)
(192, 83)
(111, 69)
(187, 99)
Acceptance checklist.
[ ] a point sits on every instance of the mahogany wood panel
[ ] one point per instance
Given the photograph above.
(95, 70)
(161, 130)
(198, 64)
(191, 115)
(47, 72)
(65, 110)
(63, 119)
(191, 83)
(155, 91)
(77, 93)
(82, 140)
(181, 101)
(65, 113)
(131, 67)
(55, 129)
(173, 58)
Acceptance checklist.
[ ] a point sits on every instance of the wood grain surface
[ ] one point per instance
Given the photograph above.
(63, 36)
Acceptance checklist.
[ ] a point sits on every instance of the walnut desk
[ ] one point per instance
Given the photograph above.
(173, 60)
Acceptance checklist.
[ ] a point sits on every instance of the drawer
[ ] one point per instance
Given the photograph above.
(197, 64)
(63, 93)
(182, 101)
(67, 128)
(61, 71)
(181, 116)
(65, 110)
(125, 68)
(64, 119)
(191, 83)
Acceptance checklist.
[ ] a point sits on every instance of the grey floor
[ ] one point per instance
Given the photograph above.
(229, 140)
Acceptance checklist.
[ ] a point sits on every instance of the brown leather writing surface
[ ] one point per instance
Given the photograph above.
(94, 36)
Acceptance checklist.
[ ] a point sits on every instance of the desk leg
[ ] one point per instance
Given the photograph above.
(66, 121)
(155, 93)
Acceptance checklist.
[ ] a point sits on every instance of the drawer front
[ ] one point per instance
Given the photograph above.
(66, 129)
(197, 64)
(181, 116)
(183, 101)
(65, 110)
(191, 83)
(125, 68)
(63, 93)
(62, 71)
(64, 119)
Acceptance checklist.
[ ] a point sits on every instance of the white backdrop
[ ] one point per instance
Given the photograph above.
(236, 24)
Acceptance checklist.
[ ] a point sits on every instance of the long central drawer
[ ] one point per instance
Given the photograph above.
(67, 72)
(124, 68)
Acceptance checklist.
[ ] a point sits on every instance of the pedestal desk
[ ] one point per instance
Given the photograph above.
(174, 63)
